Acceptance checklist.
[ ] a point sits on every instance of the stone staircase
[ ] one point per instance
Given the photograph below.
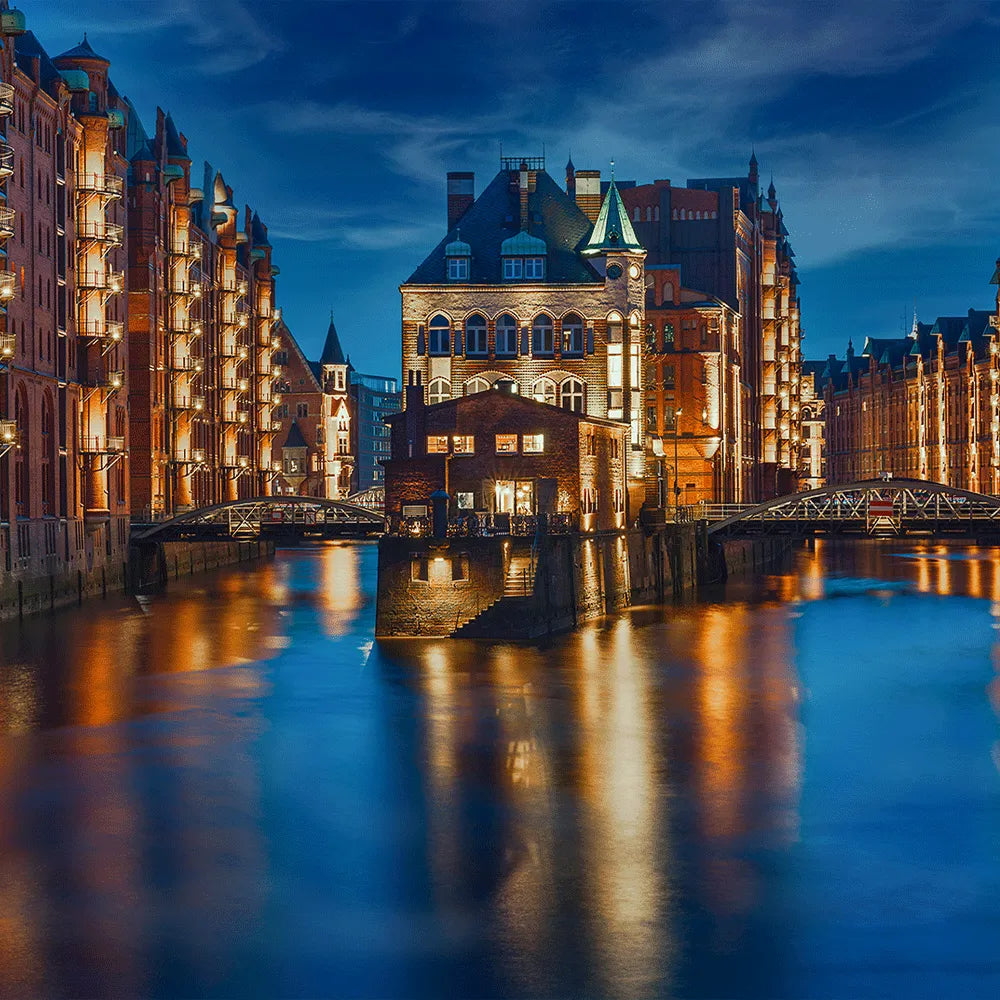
(510, 610)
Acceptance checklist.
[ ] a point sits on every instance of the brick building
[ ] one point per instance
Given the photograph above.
(526, 286)
(63, 380)
(499, 453)
(812, 452)
(924, 406)
(722, 331)
(201, 295)
(313, 418)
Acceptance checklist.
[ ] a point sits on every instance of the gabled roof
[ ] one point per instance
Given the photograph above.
(333, 353)
(175, 148)
(887, 350)
(495, 215)
(258, 232)
(83, 51)
(292, 346)
(612, 230)
(295, 438)
(27, 47)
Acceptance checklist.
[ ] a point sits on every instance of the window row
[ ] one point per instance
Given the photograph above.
(544, 339)
(504, 444)
(570, 393)
(687, 213)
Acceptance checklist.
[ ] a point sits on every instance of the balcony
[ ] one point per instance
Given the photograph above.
(190, 456)
(233, 416)
(98, 445)
(188, 364)
(106, 185)
(6, 99)
(6, 159)
(101, 329)
(7, 216)
(8, 348)
(8, 435)
(8, 285)
(195, 404)
(191, 251)
(100, 231)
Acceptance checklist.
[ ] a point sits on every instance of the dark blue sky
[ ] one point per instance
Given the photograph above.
(337, 121)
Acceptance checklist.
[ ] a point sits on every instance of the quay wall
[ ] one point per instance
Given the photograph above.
(456, 586)
(50, 582)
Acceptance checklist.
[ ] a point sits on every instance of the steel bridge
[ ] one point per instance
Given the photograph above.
(871, 507)
(278, 517)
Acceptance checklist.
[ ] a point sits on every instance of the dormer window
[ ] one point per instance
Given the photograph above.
(457, 255)
(523, 258)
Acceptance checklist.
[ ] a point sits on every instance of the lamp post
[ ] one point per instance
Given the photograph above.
(677, 485)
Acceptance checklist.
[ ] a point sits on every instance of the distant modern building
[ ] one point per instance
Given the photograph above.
(313, 418)
(924, 406)
(373, 398)
(525, 286)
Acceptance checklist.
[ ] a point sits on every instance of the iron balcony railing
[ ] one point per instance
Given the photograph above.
(8, 285)
(194, 403)
(100, 231)
(102, 445)
(109, 185)
(101, 329)
(8, 347)
(6, 99)
(180, 248)
(100, 280)
(6, 159)
(7, 216)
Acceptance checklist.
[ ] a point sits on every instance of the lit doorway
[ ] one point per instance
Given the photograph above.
(515, 496)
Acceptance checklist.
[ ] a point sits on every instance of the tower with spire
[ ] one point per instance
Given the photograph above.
(338, 463)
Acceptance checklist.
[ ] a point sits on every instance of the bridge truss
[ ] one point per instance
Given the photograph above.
(288, 517)
(873, 507)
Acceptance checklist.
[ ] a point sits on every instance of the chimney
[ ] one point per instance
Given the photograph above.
(416, 438)
(523, 195)
(588, 193)
(461, 194)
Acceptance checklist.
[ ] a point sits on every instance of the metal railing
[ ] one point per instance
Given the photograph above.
(7, 216)
(8, 285)
(6, 99)
(109, 185)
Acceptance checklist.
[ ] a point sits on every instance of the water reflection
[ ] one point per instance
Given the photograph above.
(232, 792)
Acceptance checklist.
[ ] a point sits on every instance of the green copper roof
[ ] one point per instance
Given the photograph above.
(612, 231)
(523, 245)
(458, 247)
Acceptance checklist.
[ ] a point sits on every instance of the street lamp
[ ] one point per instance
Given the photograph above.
(677, 485)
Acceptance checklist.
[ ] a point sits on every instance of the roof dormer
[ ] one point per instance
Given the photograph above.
(523, 257)
(458, 258)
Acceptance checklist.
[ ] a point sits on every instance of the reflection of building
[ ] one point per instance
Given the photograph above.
(498, 453)
(313, 419)
(812, 461)
(727, 353)
(373, 398)
(925, 406)
(526, 286)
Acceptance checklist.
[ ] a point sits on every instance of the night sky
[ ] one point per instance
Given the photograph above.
(338, 121)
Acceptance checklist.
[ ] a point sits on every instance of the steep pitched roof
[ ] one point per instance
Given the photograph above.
(175, 148)
(82, 51)
(289, 342)
(27, 47)
(333, 353)
(495, 215)
(295, 438)
(612, 230)
(887, 350)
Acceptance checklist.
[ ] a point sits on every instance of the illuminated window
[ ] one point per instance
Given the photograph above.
(437, 444)
(545, 391)
(512, 268)
(614, 329)
(533, 444)
(614, 366)
(477, 384)
(588, 500)
(571, 395)
(438, 391)
(464, 444)
(506, 336)
(572, 334)
(506, 444)
(669, 377)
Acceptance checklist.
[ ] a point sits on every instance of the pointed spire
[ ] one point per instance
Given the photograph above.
(612, 230)
(772, 195)
(752, 176)
(333, 353)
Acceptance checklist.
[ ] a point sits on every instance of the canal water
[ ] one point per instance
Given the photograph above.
(788, 788)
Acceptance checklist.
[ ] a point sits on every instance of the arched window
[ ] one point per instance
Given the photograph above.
(541, 335)
(656, 213)
(571, 395)
(572, 335)
(506, 336)
(440, 336)
(673, 214)
(615, 328)
(635, 214)
(438, 391)
(477, 384)
(649, 213)
(545, 391)
(475, 335)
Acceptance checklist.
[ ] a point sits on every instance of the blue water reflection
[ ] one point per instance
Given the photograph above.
(787, 789)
